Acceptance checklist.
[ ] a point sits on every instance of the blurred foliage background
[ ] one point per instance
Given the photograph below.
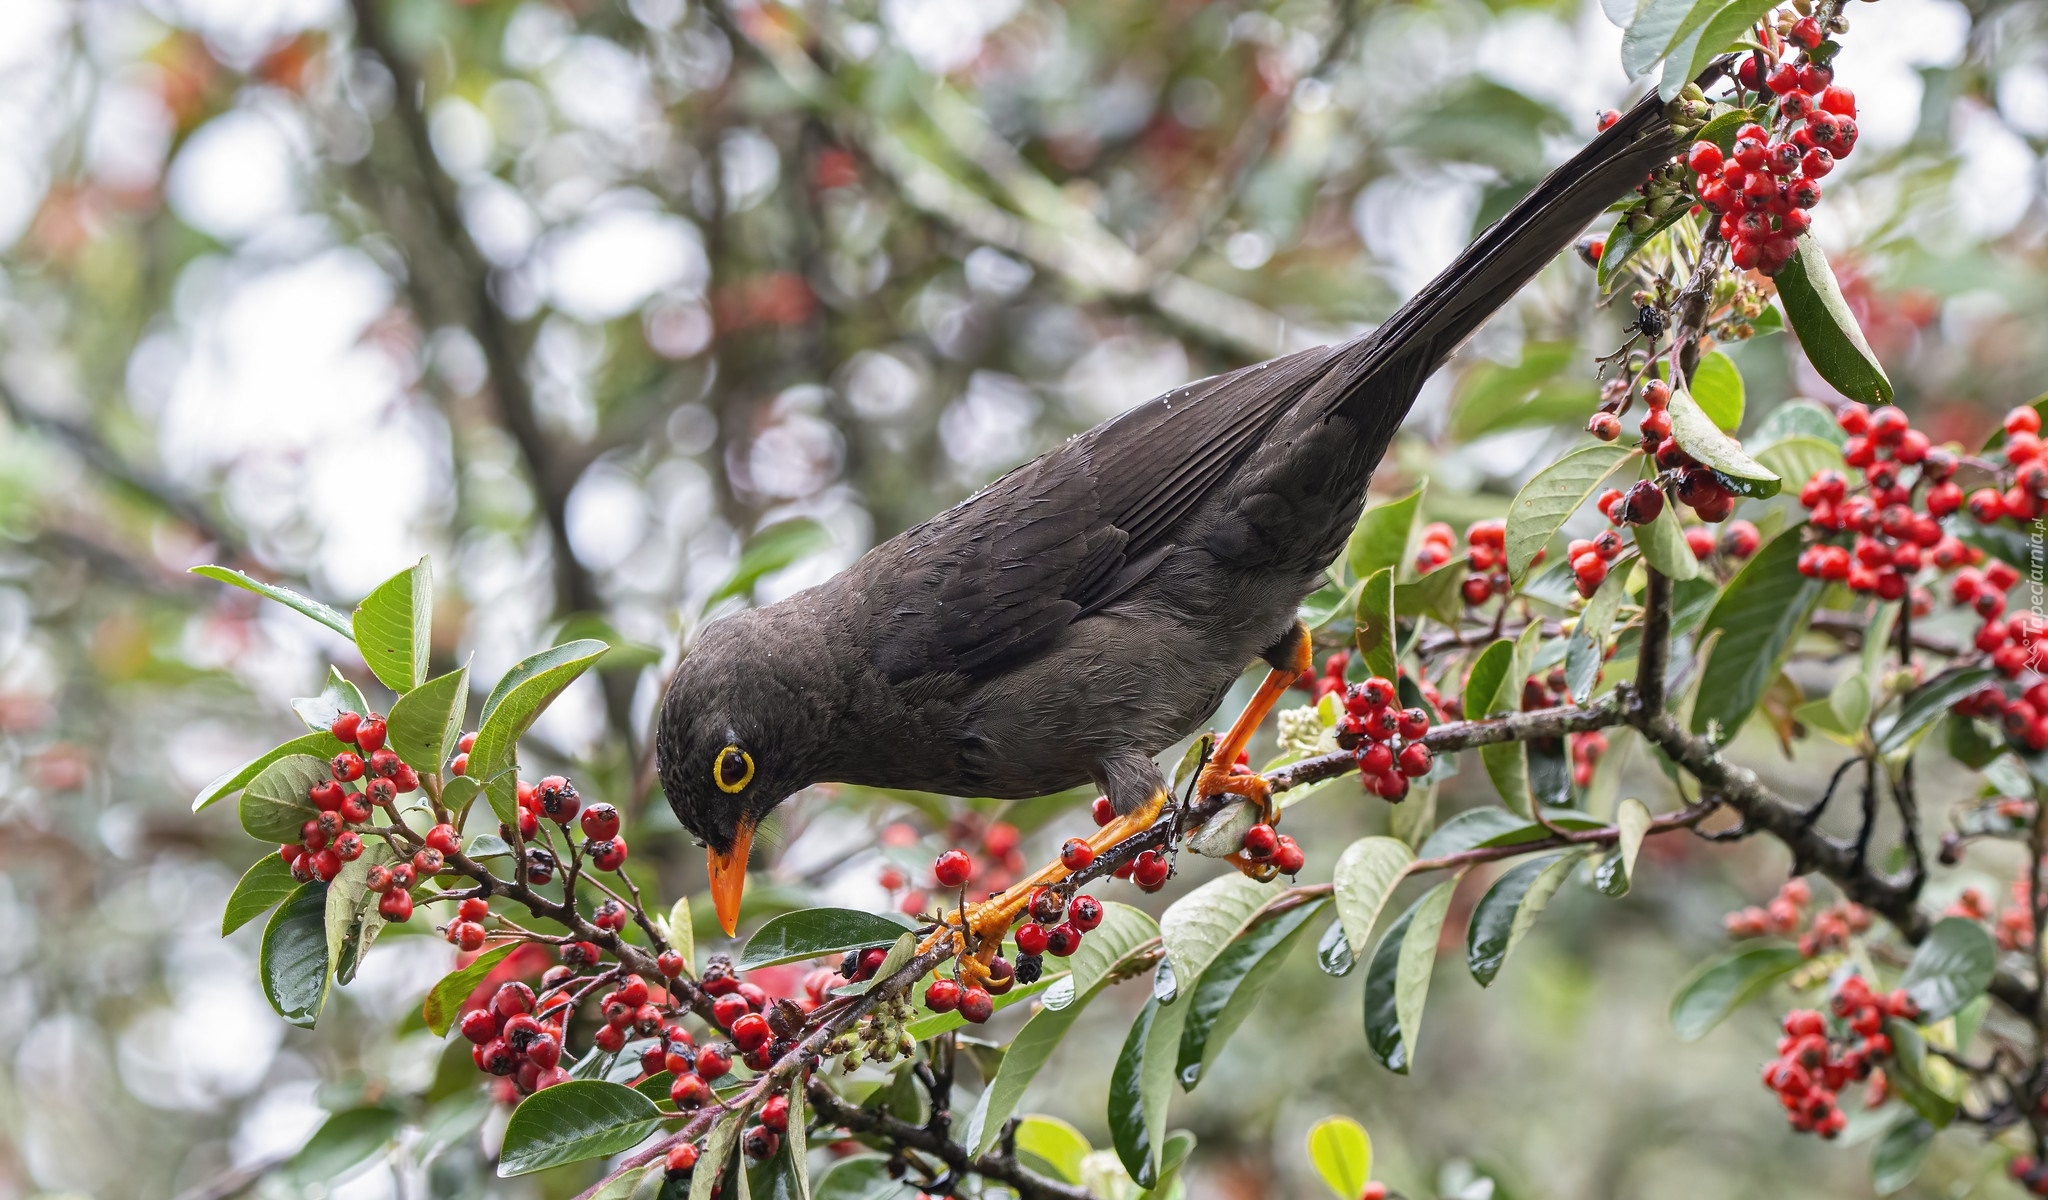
(585, 293)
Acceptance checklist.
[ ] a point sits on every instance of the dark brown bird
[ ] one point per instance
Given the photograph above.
(1091, 608)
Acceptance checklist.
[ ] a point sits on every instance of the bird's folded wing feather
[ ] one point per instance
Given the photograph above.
(999, 575)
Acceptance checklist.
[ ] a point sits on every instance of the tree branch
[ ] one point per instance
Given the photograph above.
(1001, 1168)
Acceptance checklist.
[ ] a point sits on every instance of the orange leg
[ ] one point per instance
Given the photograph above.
(1216, 778)
(992, 918)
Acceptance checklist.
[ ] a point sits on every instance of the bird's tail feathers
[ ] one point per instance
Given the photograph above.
(1380, 373)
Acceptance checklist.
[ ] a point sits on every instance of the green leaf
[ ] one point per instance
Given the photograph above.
(814, 932)
(1435, 595)
(1556, 492)
(1717, 389)
(1722, 128)
(1697, 435)
(1383, 534)
(1660, 25)
(1664, 547)
(1509, 910)
(1826, 329)
(1324, 605)
(263, 885)
(1476, 827)
(862, 1178)
(426, 722)
(573, 1122)
(337, 697)
(1123, 929)
(1056, 1144)
(1587, 650)
(1507, 763)
(352, 917)
(1801, 457)
(795, 1153)
(322, 746)
(293, 960)
(1908, 1074)
(1898, 1155)
(1365, 876)
(444, 1001)
(1950, 968)
(1762, 613)
(1232, 985)
(1632, 818)
(1541, 389)
(1342, 1153)
(1333, 952)
(276, 803)
(1623, 244)
(344, 1141)
(394, 627)
(522, 695)
(1800, 418)
(1728, 25)
(1375, 623)
(1926, 704)
(768, 551)
(1196, 927)
(1139, 1087)
(1970, 745)
(1397, 981)
(901, 951)
(305, 605)
(711, 1162)
(1724, 984)
(682, 934)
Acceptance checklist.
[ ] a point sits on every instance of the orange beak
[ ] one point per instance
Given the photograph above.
(729, 878)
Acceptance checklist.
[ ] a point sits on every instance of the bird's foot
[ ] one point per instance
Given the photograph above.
(981, 927)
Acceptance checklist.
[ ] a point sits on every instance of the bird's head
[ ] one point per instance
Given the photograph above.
(739, 734)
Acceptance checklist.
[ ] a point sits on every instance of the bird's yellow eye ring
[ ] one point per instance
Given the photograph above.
(733, 761)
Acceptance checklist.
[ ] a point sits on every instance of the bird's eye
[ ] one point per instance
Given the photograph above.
(733, 770)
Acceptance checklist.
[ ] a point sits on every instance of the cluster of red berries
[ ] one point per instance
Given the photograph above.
(1896, 532)
(1766, 186)
(1386, 741)
(1830, 928)
(996, 859)
(1813, 1065)
(359, 781)
(1586, 750)
(1486, 558)
(518, 1036)
(1055, 927)
(2013, 926)
(1262, 843)
(1332, 678)
(1151, 868)
(556, 799)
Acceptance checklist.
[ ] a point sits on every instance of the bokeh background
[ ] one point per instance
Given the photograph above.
(590, 291)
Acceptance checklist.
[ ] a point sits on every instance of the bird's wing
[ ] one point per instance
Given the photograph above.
(999, 575)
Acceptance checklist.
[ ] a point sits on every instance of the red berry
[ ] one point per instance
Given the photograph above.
(689, 1091)
(976, 1006)
(443, 838)
(558, 800)
(1062, 940)
(370, 734)
(459, 765)
(775, 1113)
(1704, 158)
(1807, 32)
(396, 905)
(1605, 426)
(600, 822)
(1076, 854)
(760, 1143)
(1102, 811)
(346, 766)
(344, 727)
(1415, 760)
(1084, 913)
(479, 1025)
(355, 808)
(1031, 938)
(953, 868)
(1289, 857)
(713, 1062)
(751, 1032)
(942, 996)
(466, 742)
(607, 855)
(1260, 841)
(348, 847)
(468, 935)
